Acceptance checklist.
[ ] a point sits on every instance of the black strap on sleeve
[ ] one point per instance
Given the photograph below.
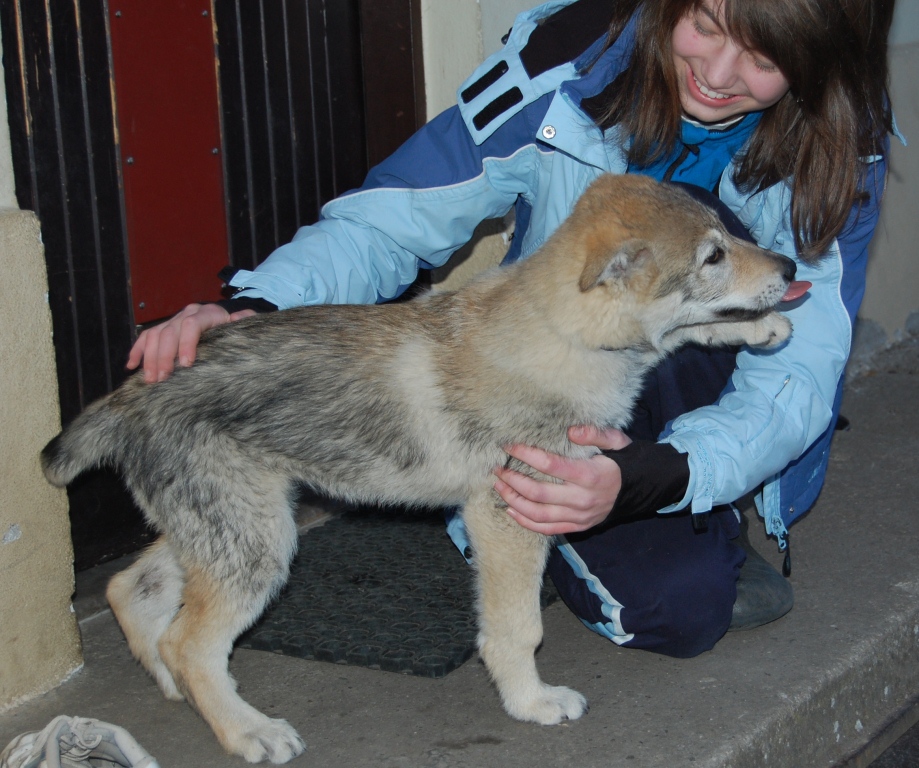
(243, 302)
(501, 104)
(485, 81)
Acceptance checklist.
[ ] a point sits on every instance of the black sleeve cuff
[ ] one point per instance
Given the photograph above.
(244, 302)
(654, 476)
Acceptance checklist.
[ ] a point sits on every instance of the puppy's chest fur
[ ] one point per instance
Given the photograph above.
(500, 384)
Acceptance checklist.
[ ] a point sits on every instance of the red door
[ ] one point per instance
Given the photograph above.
(168, 120)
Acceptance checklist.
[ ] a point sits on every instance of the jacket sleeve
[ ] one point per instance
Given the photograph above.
(780, 402)
(414, 210)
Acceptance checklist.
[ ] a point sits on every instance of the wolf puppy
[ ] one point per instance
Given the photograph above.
(406, 403)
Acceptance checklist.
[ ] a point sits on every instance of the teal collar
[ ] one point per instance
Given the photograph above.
(702, 153)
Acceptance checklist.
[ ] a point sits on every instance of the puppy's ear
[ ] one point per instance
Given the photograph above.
(603, 265)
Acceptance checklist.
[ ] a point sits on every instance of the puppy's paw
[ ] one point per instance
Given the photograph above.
(273, 740)
(551, 705)
(166, 683)
(770, 331)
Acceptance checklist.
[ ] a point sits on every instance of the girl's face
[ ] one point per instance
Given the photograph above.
(719, 78)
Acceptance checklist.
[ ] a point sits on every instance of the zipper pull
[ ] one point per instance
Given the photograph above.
(786, 563)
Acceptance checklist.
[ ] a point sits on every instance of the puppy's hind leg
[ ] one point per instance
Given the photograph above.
(232, 571)
(510, 561)
(196, 647)
(145, 599)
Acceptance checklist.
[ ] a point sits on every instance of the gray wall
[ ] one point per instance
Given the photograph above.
(905, 23)
(891, 307)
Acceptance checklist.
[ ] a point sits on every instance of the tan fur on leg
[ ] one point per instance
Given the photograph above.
(196, 648)
(510, 561)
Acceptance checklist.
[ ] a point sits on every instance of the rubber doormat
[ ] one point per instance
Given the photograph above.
(384, 589)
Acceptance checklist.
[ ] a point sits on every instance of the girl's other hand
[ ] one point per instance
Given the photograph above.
(584, 497)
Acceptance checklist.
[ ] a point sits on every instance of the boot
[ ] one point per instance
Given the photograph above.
(763, 594)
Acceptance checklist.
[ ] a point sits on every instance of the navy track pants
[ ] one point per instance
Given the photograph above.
(658, 584)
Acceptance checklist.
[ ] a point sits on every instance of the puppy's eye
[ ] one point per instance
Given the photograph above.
(715, 256)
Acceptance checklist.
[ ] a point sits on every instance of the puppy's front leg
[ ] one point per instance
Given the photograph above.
(768, 331)
(510, 561)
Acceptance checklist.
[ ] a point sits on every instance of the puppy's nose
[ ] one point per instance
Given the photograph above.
(790, 269)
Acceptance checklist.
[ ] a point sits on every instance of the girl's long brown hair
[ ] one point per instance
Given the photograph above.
(833, 54)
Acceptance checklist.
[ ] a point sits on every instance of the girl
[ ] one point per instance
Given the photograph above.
(775, 108)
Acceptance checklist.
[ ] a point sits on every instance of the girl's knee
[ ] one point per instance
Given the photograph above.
(682, 613)
(689, 614)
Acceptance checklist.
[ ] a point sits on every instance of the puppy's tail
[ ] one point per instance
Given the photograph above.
(88, 442)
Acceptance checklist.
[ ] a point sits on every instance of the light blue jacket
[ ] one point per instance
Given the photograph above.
(478, 160)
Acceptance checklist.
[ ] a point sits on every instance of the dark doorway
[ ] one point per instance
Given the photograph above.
(276, 114)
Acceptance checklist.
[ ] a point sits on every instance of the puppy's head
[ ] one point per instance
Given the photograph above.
(663, 252)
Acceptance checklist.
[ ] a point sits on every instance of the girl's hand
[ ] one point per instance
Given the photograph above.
(177, 339)
(583, 499)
